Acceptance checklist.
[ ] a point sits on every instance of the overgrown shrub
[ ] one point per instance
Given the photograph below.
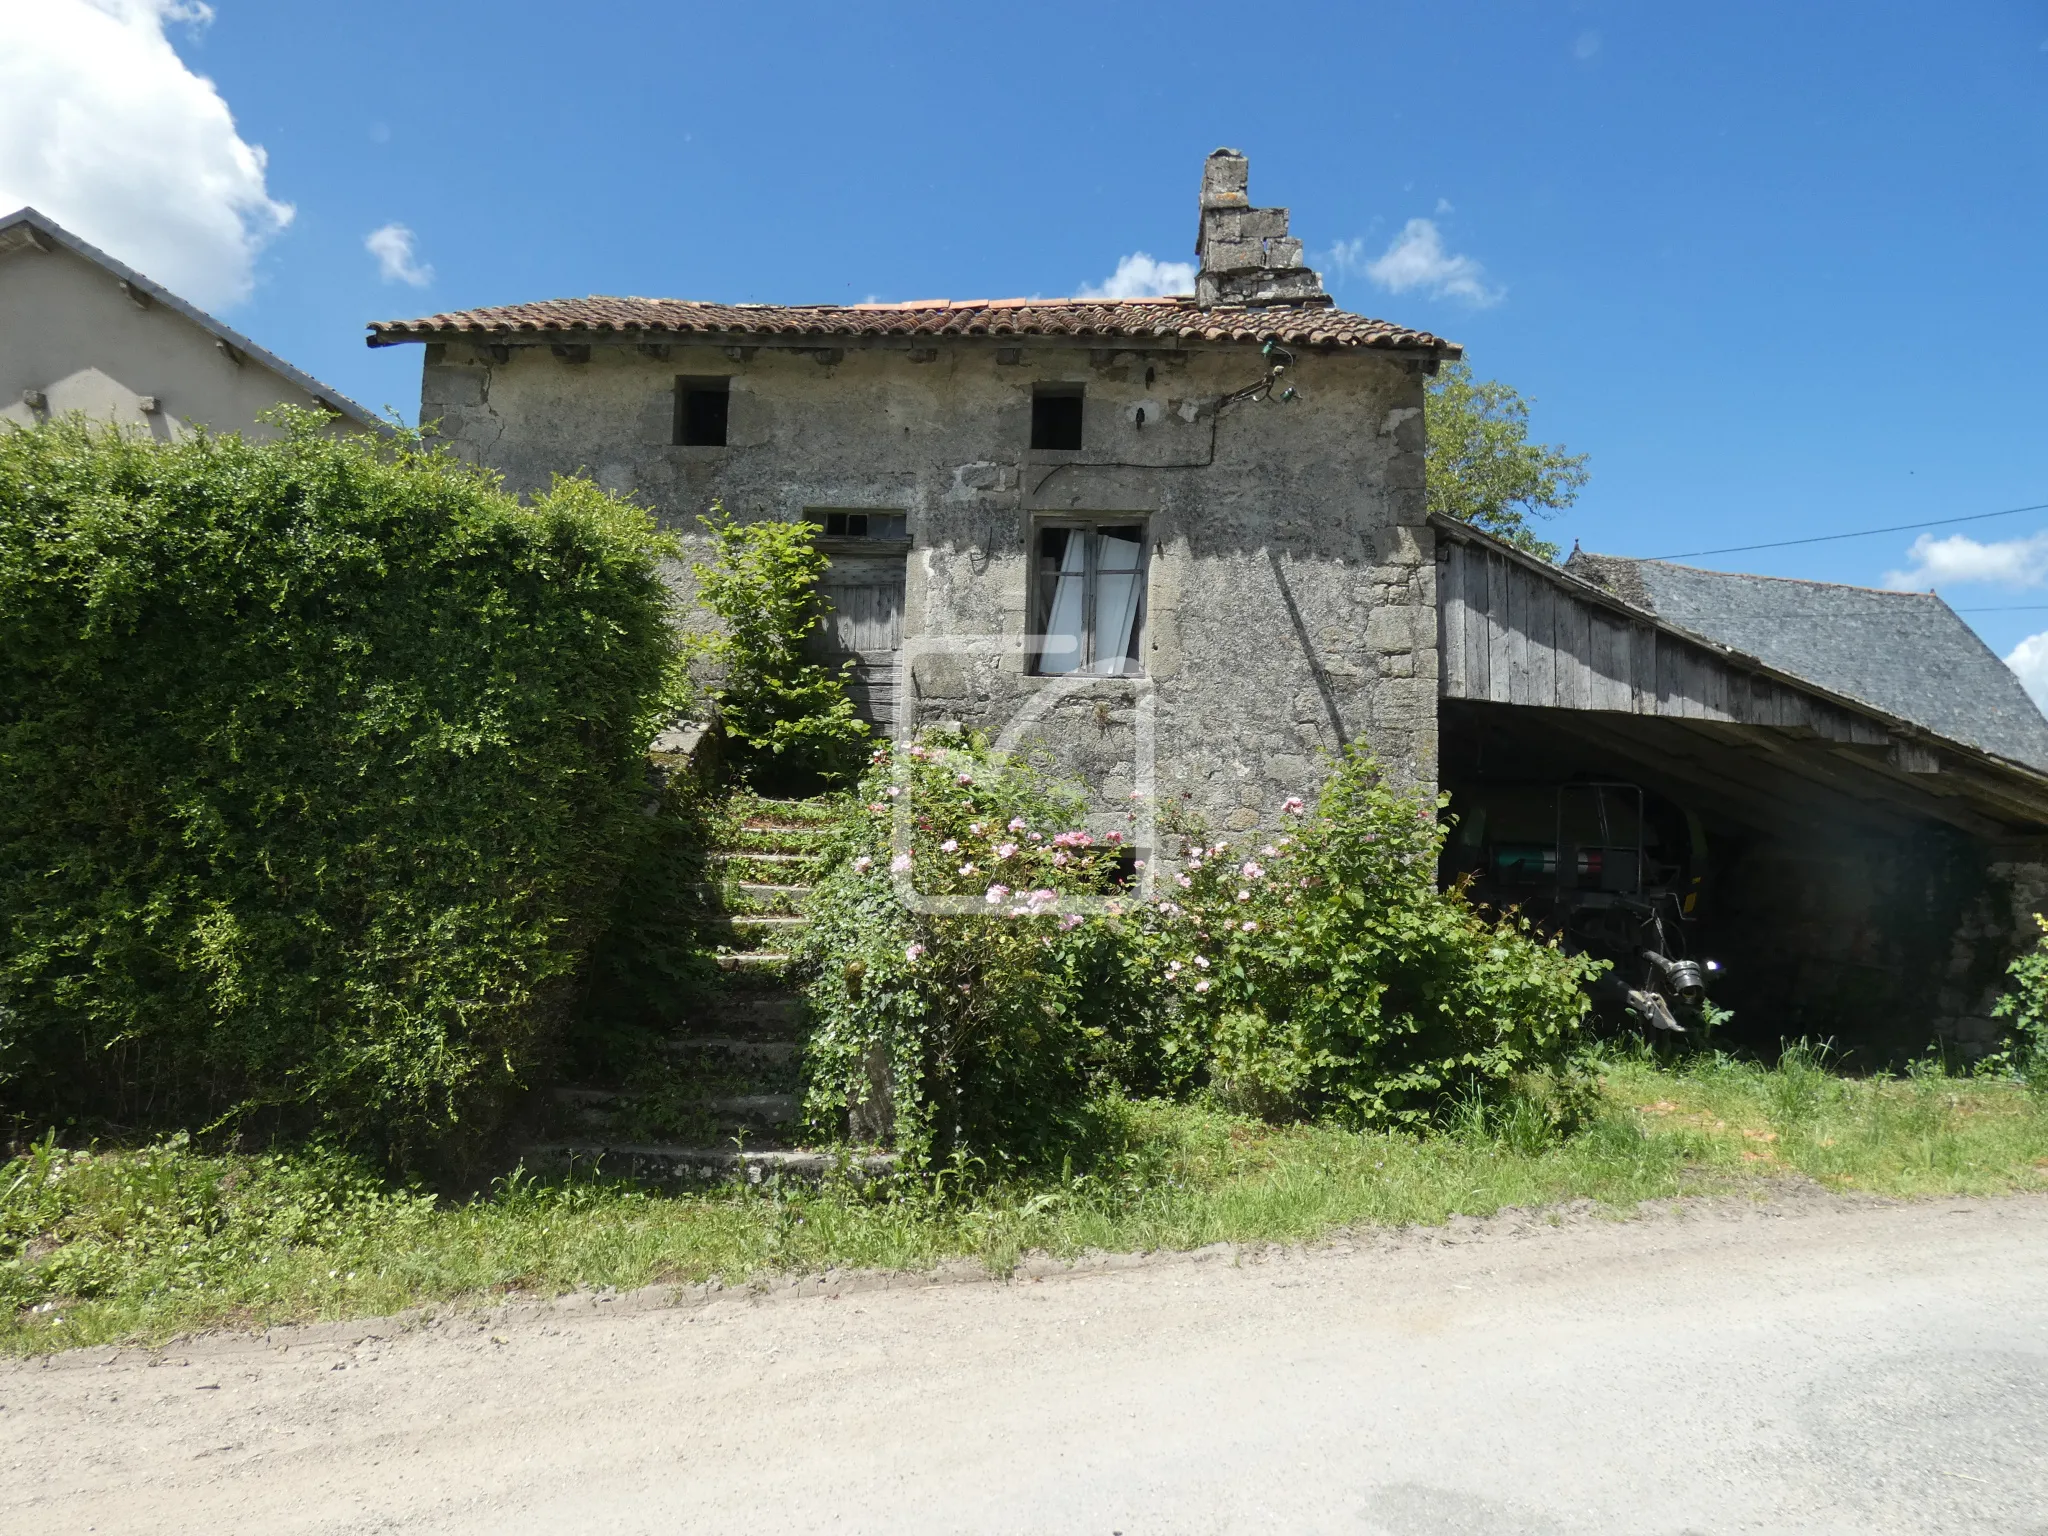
(976, 1027)
(319, 762)
(788, 721)
(2026, 1005)
(1332, 976)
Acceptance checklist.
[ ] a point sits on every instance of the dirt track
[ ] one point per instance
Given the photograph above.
(1812, 1366)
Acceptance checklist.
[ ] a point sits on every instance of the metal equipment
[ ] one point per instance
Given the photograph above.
(1610, 869)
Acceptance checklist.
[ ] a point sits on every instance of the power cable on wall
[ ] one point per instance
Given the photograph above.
(1861, 533)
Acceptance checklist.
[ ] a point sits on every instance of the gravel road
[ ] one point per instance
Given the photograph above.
(1813, 1365)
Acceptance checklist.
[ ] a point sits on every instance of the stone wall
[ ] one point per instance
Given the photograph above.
(1291, 601)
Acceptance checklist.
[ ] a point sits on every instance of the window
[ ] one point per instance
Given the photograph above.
(858, 525)
(700, 412)
(1089, 593)
(1056, 416)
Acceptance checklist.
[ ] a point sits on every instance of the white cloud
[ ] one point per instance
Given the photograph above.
(104, 128)
(1138, 276)
(2029, 659)
(1417, 259)
(1587, 45)
(392, 246)
(1938, 562)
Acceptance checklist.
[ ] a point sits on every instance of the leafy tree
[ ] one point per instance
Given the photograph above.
(1482, 467)
(788, 719)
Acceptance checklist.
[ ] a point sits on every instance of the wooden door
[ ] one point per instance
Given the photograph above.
(863, 622)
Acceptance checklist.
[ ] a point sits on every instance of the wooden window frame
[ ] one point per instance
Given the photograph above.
(1042, 592)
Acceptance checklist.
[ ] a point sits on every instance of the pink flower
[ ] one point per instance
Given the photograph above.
(899, 864)
(1201, 962)
(1017, 823)
(1250, 870)
(975, 828)
(913, 953)
(1202, 986)
(1070, 921)
(1037, 837)
(918, 752)
(1184, 882)
(860, 865)
(995, 895)
(1140, 864)
(965, 778)
(1251, 927)
(1005, 851)
(950, 845)
(1062, 859)
(878, 805)
(966, 869)
(1073, 840)
(1044, 898)
(1116, 837)
(1244, 895)
(1172, 966)
(1270, 851)
(1293, 805)
(892, 791)
(1194, 864)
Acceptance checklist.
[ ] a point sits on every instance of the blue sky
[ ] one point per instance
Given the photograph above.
(1778, 269)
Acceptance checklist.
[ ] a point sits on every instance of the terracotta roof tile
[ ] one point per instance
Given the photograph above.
(1178, 320)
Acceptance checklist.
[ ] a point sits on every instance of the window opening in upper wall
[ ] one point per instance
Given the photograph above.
(1088, 598)
(1056, 416)
(858, 525)
(701, 411)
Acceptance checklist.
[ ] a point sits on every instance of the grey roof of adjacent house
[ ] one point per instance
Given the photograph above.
(1906, 653)
(26, 225)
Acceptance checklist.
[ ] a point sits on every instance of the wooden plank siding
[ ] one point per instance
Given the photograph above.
(1513, 635)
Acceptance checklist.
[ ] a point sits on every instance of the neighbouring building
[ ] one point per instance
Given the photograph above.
(1178, 548)
(79, 331)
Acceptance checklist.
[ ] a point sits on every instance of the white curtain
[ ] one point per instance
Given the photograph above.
(1062, 643)
(1116, 602)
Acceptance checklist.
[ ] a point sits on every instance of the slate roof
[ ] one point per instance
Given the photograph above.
(1166, 319)
(25, 226)
(1906, 653)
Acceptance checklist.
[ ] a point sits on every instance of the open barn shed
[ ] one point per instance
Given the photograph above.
(1839, 797)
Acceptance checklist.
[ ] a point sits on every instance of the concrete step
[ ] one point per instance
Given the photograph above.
(768, 922)
(761, 960)
(740, 1050)
(762, 1111)
(662, 1163)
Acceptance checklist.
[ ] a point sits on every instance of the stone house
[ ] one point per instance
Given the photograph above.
(1178, 549)
(1182, 533)
(80, 331)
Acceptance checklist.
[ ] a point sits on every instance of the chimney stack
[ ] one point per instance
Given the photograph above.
(1247, 255)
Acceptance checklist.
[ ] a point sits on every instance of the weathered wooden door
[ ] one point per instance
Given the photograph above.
(863, 594)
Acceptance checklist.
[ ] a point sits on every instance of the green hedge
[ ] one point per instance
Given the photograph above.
(319, 762)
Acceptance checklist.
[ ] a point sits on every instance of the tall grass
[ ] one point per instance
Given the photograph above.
(138, 1244)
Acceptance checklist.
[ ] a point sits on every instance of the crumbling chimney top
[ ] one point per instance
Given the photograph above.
(1247, 255)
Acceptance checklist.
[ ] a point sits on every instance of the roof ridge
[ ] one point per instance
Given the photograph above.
(1168, 317)
(1804, 581)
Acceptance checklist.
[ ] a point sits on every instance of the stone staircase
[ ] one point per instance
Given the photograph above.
(720, 1099)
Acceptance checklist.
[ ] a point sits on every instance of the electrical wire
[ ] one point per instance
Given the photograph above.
(1861, 533)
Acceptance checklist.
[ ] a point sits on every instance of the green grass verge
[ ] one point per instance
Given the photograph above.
(141, 1244)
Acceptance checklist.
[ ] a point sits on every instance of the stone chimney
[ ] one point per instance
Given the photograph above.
(1247, 255)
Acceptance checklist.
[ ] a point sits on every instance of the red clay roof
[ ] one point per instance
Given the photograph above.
(1133, 319)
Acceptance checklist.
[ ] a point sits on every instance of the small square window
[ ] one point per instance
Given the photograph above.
(1089, 598)
(857, 525)
(701, 412)
(1056, 416)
